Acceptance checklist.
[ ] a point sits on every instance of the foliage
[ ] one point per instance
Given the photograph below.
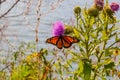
(94, 57)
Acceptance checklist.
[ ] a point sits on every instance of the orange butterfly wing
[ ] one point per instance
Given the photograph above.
(52, 40)
(59, 43)
(57, 40)
(68, 41)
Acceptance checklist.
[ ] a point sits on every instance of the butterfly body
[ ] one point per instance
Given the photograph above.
(62, 41)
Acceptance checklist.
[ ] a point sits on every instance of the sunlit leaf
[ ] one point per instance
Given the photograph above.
(87, 71)
(108, 52)
(104, 35)
(107, 61)
(104, 79)
(80, 67)
(109, 66)
(76, 33)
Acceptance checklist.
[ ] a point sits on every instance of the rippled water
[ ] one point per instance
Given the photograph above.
(22, 27)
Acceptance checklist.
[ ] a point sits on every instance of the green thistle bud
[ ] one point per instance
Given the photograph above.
(98, 7)
(107, 11)
(112, 19)
(77, 10)
(93, 12)
(68, 29)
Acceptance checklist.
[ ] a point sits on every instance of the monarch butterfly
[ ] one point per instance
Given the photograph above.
(62, 41)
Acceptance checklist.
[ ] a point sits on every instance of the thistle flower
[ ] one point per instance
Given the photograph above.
(99, 4)
(114, 6)
(58, 29)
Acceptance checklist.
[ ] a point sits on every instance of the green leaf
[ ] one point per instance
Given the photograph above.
(109, 66)
(116, 37)
(104, 79)
(80, 67)
(104, 35)
(108, 52)
(87, 71)
(107, 61)
(76, 33)
(75, 77)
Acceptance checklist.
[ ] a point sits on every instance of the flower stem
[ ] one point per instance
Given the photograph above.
(77, 19)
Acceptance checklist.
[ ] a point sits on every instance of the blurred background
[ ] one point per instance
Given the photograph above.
(19, 20)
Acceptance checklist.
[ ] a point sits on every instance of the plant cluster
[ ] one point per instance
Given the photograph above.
(94, 57)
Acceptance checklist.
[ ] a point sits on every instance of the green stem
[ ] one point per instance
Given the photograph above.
(107, 2)
(95, 74)
(87, 51)
(105, 42)
(113, 44)
(104, 46)
(82, 20)
(77, 19)
(102, 51)
(87, 41)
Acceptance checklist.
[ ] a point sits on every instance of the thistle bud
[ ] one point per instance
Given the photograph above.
(113, 19)
(99, 4)
(68, 29)
(77, 10)
(93, 12)
(107, 11)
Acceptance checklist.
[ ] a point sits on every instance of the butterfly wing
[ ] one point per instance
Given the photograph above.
(52, 40)
(61, 41)
(71, 39)
(57, 40)
(68, 41)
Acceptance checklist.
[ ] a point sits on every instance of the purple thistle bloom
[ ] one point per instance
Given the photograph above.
(58, 29)
(114, 6)
(99, 3)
